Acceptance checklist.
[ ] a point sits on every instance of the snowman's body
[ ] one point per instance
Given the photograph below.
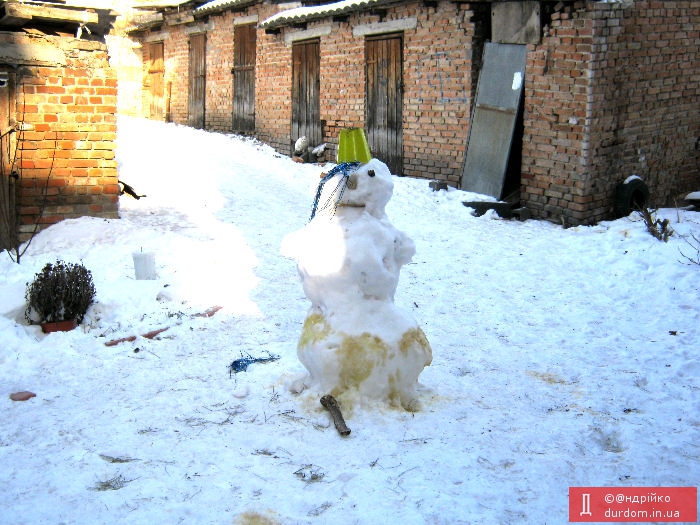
(355, 341)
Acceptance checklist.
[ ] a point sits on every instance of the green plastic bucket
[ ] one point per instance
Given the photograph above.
(353, 147)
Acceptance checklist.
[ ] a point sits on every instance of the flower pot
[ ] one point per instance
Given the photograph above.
(59, 326)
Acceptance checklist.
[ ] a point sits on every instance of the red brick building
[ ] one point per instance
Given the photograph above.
(58, 104)
(553, 103)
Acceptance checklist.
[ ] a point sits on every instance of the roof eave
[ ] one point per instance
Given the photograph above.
(278, 21)
(231, 5)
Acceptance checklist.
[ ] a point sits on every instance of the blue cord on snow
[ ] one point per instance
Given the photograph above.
(345, 169)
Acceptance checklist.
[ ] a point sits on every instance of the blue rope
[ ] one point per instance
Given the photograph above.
(345, 169)
(242, 364)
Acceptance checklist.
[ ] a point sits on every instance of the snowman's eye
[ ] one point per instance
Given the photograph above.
(370, 173)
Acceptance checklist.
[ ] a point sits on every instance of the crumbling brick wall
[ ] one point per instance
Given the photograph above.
(613, 90)
(66, 99)
(437, 79)
(342, 79)
(176, 58)
(219, 91)
(646, 116)
(273, 89)
(438, 72)
(437, 83)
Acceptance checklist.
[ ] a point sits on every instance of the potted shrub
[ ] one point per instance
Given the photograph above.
(59, 296)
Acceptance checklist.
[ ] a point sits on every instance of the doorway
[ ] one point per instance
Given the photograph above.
(198, 81)
(306, 87)
(384, 99)
(244, 42)
(156, 81)
(8, 148)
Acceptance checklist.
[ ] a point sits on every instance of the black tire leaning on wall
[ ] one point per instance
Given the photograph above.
(630, 196)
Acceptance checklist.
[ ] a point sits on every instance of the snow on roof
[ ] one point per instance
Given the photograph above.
(158, 4)
(220, 5)
(300, 14)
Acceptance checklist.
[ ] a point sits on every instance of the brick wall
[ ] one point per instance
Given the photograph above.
(66, 159)
(437, 68)
(126, 58)
(555, 175)
(648, 60)
(176, 71)
(438, 63)
(219, 96)
(438, 72)
(613, 90)
(273, 88)
(219, 63)
(176, 58)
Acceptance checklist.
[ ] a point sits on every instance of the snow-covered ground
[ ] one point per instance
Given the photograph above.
(561, 357)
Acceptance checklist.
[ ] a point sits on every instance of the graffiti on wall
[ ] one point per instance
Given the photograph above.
(436, 73)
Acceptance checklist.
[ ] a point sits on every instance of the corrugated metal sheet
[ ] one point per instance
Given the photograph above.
(494, 118)
(222, 5)
(306, 13)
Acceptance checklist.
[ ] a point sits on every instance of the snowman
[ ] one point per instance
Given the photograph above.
(356, 343)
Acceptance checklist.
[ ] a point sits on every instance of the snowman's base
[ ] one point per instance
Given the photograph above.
(371, 366)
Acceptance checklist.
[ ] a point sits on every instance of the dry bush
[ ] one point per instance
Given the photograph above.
(661, 229)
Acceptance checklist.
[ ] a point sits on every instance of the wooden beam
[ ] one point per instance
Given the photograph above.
(174, 19)
(13, 15)
(16, 14)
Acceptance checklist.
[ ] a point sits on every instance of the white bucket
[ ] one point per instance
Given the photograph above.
(144, 265)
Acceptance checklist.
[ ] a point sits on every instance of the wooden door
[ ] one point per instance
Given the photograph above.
(384, 99)
(244, 41)
(156, 81)
(306, 86)
(198, 81)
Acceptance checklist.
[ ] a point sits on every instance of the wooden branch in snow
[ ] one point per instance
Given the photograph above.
(331, 404)
(153, 333)
(208, 312)
(115, 342)
(147, 335)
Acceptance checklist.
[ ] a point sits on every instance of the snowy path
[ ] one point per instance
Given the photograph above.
(561, 358)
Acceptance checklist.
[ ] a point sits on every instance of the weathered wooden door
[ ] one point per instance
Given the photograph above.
(244, 41)
(384, 99)
(155, 81)
(306, 87)
(198, 81)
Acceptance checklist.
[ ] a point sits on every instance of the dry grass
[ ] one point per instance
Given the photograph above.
(694, 245)
(114, 483)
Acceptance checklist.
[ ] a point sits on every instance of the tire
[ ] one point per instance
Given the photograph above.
(630, 196)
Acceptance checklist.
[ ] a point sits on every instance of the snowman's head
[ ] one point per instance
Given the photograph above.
(370, 186)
